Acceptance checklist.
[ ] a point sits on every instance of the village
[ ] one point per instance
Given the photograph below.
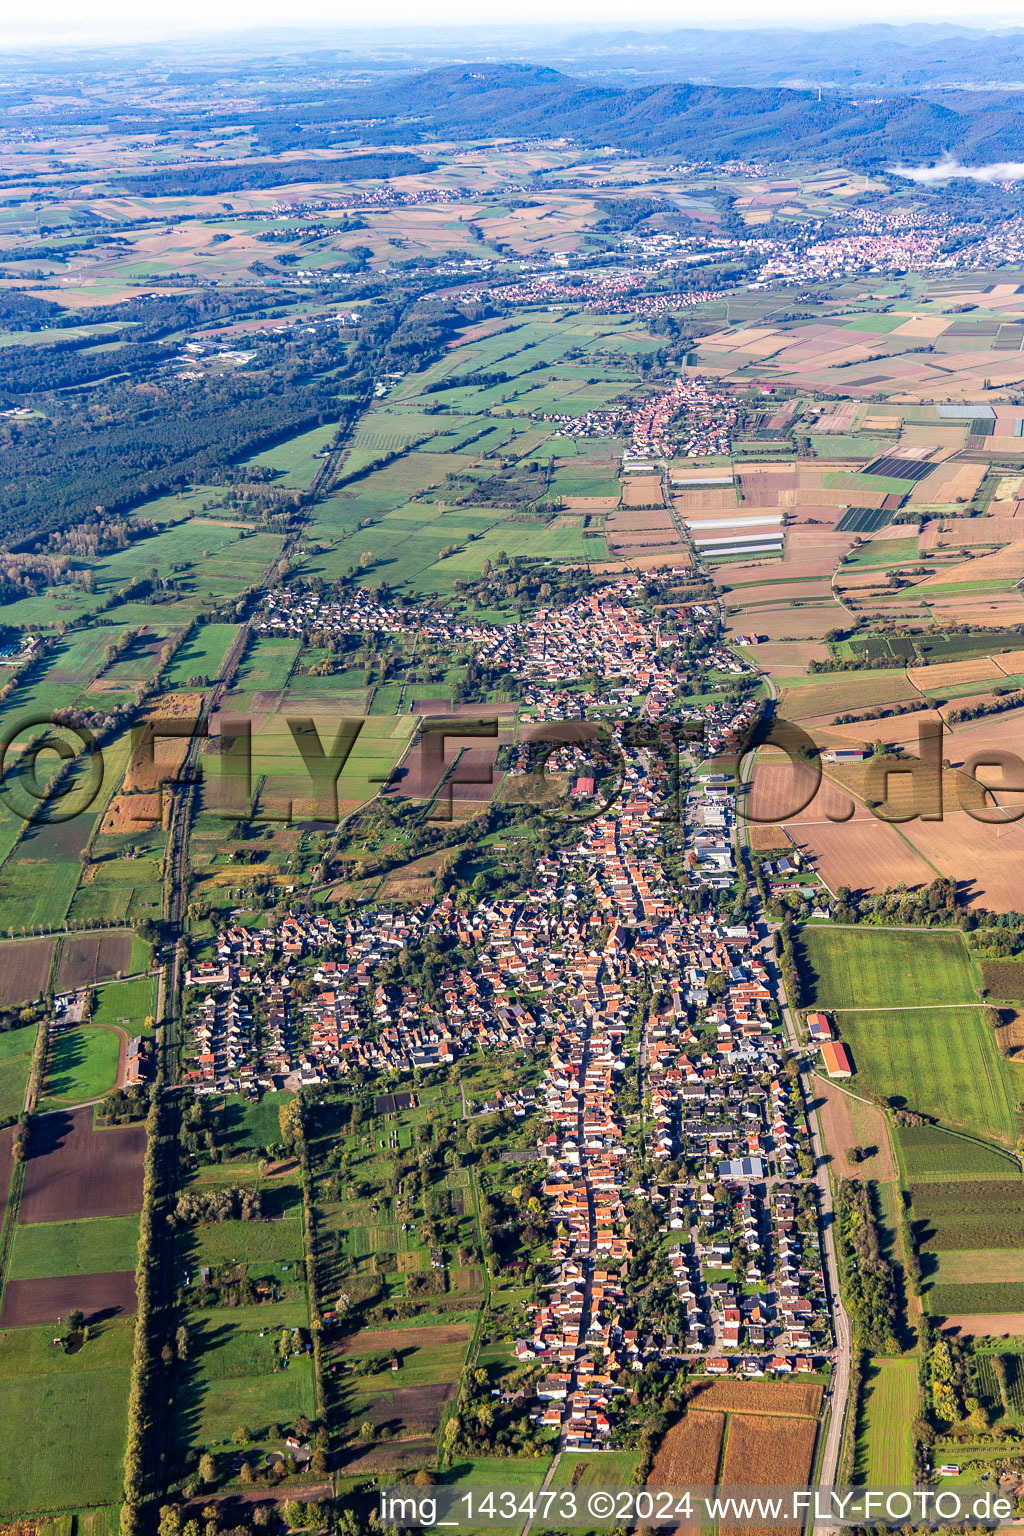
(559, 970)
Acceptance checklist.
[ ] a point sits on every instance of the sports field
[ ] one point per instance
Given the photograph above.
(127, 1003)
(873, 967)
(82, 1064)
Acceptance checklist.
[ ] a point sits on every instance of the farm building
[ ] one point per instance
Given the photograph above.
(818, 1027)
(836, 1059)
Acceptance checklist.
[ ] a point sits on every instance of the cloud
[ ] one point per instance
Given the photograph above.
(948, 168)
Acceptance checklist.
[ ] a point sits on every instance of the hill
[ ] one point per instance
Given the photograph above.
(707, 121)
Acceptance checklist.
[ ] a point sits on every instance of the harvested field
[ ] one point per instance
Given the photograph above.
(24, 967)
(589, 503)
(74, 1171)
(764, 485)
(845, 692)
(987, 860)
(146, 768)
(808, 623)
(946, 674)
(778, 788)
(781, 1398)
(765, 1451)
(385, 1341)
(688, 1455)
(777, 591)
(897, 728)
(44, 1301)
(712, 499)
(126, 813)
(986, 1325)
(964, 532)
(768, 839)
(643, 491)
(951, 482)
(629, 520)
(862, 853)
(848, 1122)
(1005, 564)
(92, 957)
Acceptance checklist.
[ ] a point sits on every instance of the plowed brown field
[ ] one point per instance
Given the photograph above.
(74, 1171)
(24, 967)
(43, 1301)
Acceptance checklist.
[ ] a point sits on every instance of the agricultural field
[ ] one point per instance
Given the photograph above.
(928, 1153)
(16, 1047)
(940, 1062)
(90, 957)
(762, 1449)
(989, 1384)
(889, 1406)
(77, 1405)
(1003, 980)
(967, 1215)
(975, 1298)
(689, 1453)
(867, 967)
(75, 1171)
(74, 1248)
(24, 970)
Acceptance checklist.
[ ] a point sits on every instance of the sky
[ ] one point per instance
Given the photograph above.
(70, 23)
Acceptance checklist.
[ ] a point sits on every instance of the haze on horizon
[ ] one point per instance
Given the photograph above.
(110, 22)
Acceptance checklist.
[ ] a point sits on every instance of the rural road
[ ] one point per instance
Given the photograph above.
(837, 1392)
(543, 1488)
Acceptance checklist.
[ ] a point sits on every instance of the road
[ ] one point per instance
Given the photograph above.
(837, 1392)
